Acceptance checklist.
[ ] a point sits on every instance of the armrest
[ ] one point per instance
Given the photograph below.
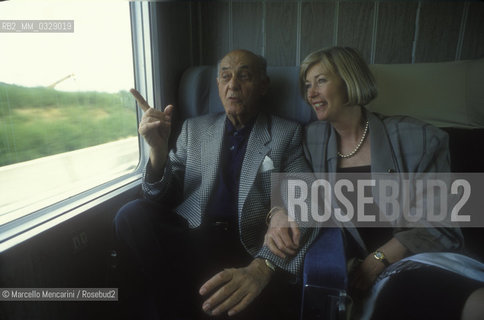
(325, 261)
(325, 278)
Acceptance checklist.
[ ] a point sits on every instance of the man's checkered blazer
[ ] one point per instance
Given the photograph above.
(191, 170)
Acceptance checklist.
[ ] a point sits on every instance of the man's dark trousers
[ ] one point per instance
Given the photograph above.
(165, 264)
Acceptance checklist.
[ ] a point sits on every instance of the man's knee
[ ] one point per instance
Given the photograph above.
(134, 215)
(125, 215)
(142, 215)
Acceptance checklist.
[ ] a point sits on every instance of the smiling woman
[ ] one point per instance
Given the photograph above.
(68, 121)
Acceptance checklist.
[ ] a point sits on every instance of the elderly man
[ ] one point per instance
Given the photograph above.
(198, 236)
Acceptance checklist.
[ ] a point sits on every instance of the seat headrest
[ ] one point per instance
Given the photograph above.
(198, 94)
(445, 94)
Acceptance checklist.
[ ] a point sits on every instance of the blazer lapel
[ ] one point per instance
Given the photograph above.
(257, 148)
(210, 159)
(332, 151)
(322, 144)
(382, 155)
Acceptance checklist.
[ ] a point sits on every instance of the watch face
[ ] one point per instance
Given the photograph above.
(380, 256)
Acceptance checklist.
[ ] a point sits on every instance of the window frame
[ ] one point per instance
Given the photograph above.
(19, 230)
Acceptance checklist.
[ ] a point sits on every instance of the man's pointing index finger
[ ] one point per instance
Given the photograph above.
(141, 101)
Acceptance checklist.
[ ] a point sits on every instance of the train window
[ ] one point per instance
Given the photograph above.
(67, 120)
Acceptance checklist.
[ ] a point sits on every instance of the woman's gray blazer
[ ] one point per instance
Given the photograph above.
(398, 144)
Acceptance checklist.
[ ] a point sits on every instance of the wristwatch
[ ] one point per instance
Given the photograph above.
(380, 256)
(270, 265)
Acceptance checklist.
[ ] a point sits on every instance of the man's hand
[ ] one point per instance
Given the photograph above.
(155, 127)
(233, 290)
(282, 236)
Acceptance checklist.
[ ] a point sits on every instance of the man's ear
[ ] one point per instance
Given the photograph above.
(265, 83)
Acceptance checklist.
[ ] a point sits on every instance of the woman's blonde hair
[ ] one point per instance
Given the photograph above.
(348, 64)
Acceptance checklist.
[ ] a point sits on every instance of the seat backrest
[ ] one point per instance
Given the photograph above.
(445, 94)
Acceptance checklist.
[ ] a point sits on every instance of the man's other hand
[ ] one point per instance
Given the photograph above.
(232, 290)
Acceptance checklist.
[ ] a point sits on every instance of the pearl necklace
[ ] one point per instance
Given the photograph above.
(358, 146)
